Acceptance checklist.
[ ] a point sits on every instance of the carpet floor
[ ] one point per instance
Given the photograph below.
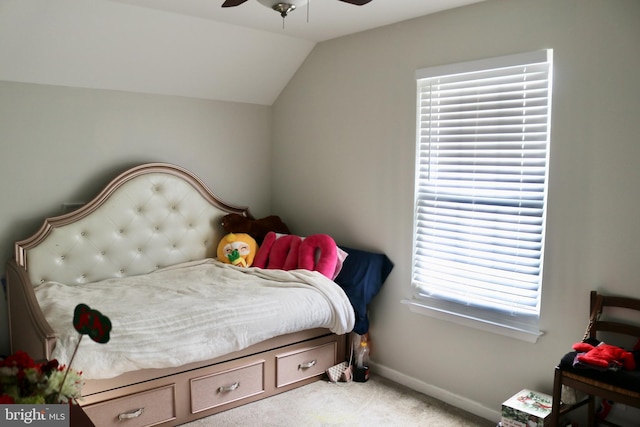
(378, 402)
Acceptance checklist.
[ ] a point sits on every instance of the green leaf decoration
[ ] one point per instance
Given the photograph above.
(234, 255)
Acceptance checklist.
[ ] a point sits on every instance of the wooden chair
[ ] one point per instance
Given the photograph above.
(621, 386)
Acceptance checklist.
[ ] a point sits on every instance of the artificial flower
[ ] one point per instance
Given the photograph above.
(22, 380)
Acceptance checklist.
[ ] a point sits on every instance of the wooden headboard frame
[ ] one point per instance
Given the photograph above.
(148, 217)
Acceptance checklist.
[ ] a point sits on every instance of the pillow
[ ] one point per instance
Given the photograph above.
(341, 255)
(317, 252)
(361, 278)
(278, 252)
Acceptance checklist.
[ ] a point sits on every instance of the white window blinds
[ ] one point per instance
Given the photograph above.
(481, 179)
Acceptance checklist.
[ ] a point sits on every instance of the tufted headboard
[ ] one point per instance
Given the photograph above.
(148, 217)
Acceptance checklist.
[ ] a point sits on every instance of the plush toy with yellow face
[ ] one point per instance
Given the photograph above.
(238, 249)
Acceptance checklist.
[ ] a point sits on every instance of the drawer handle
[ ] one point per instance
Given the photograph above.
(129, 415)
(307, 365)
(227, 388)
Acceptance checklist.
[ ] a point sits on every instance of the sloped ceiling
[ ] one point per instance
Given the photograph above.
(190, 48)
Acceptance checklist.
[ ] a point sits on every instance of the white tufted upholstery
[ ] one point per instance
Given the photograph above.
(149, 217)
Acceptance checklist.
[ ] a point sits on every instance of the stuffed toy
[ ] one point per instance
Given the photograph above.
(604, 356)
(256, 228)
(238, 249)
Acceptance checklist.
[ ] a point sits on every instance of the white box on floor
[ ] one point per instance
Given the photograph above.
(527, 409)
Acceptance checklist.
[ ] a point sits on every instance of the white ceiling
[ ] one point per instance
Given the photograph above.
(321, 20)
(191, 48)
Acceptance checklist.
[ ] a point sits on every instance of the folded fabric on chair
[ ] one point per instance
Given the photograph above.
(603, 356)
(621, 378)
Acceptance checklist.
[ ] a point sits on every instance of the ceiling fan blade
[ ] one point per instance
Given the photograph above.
(356, 2)
(232, 3)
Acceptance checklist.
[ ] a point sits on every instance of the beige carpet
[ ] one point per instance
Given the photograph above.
(378, 402)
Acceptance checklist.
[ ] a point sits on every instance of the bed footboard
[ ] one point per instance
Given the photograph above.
(28, 328)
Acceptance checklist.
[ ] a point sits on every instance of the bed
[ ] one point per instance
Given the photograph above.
(143, 253)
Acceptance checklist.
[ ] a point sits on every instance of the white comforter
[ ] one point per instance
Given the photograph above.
(190, 312)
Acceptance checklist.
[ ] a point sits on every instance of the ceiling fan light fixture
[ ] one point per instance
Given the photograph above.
(283, 8)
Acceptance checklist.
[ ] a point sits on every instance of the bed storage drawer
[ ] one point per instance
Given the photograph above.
(228, 386)
(146, 408)
(304, 363)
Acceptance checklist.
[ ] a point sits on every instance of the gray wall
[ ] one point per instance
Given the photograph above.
(63, 145)
(344, 143)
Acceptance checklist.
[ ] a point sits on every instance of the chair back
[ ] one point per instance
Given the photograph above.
(616, 315)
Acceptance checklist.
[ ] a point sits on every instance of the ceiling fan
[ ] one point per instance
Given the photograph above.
(286, 6)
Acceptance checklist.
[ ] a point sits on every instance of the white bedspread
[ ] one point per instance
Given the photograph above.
(190, 312)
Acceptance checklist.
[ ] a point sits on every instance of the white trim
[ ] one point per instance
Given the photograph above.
(446, 396)
(542, 55)
(473, 322)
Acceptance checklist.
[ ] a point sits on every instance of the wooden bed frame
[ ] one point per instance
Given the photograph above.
(148, 217)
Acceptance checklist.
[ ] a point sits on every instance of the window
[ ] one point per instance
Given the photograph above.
(481, 185)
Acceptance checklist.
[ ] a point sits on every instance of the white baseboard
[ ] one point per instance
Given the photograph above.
(438, 393)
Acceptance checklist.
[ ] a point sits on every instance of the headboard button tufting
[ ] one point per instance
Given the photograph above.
(158, 213)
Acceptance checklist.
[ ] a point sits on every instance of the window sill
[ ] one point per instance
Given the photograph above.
(474, 322)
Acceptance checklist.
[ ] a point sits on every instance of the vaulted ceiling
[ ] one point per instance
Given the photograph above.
(190, 48)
